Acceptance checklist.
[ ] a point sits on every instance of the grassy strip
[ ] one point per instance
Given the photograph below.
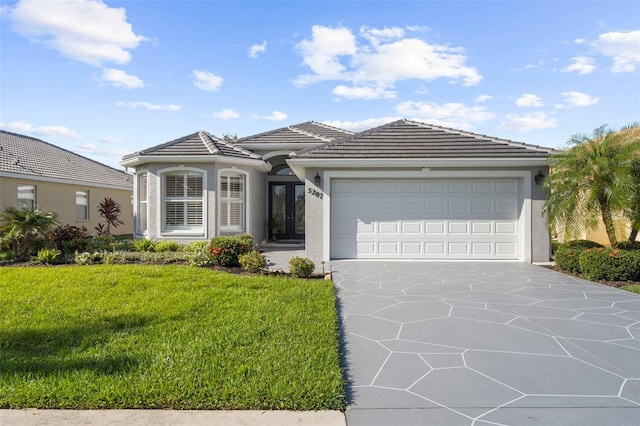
(634, 288)
(144, 336)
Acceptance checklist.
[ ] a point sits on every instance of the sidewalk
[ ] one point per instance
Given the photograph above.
(35, 417)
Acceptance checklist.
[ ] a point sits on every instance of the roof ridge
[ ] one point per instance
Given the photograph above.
(65, 150)
(337, 142)
(216, 140)
(206, 139)
(327, 126)
(314, 135)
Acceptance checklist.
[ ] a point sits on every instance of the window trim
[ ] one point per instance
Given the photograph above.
(86, 206)
(142, 205)
(245, 201)
(200, 230)
(21, 201)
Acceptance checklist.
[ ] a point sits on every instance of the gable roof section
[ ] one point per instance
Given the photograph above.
(405, 139)
(198, 143)
(309, 132)
(31, 157)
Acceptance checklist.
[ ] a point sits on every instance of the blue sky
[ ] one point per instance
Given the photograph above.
(106, 78)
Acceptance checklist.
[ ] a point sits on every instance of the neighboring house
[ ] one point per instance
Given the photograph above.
(35, 173)
(405, 190)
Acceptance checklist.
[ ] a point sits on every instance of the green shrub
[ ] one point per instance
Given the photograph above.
(48, 255)
(124, 257)
(144, 245)
(628, 245)
(301, 267)
(165, 245)
(69, 238)
(197, 253)
(101, 243)
(6, 255)
(254, 261)
(602, 263)
(566, 258)
(225, 251)
(582, 244)
(87, 258)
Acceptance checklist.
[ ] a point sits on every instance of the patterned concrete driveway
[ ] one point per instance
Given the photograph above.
(486, 344)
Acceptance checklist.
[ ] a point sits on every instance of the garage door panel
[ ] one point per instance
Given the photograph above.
(432, 219)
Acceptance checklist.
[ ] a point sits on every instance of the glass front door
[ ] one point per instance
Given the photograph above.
(286, 211)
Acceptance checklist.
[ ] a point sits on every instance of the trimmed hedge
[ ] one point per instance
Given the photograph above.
(225, 251)
(598, 263)
(610, 264)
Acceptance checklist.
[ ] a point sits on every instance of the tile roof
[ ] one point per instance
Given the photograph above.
(20, 154)
(308, 132)
(412, 139)
(198, 143)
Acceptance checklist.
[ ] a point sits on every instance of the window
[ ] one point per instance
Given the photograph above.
(231, 202)
(142, 202)
(82, 206)
(26, 196)
(183, 193)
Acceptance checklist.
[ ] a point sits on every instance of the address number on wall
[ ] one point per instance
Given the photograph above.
(314, 193)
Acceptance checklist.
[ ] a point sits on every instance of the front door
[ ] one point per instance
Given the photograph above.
(286, 210)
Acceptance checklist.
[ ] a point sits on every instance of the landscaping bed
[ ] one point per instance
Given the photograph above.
(171, 336)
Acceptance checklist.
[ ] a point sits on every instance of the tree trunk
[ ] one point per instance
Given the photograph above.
(608, 225)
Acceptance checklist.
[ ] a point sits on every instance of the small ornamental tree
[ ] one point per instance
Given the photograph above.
(110, 210)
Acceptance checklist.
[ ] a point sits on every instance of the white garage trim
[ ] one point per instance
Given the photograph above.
(524, 191)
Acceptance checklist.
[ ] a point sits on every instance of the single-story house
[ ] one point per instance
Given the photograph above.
(35, 173)
(404, 190)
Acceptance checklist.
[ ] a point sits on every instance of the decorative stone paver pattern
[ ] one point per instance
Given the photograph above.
(486, 344)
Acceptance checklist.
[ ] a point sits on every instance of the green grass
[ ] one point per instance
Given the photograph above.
(144, 336)
(634, 288)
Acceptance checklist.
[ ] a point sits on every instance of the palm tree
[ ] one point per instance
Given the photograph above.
(597, 178)
(21, 228)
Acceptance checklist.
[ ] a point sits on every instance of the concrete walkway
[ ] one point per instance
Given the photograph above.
(34, 417)
(278, 254)
(486, 344)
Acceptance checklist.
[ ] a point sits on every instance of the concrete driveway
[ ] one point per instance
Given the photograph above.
(486, 344)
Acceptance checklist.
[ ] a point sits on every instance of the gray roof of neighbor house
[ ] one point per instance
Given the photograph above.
(198, 143)
(308, 132)
(24, 155)
(412, 139)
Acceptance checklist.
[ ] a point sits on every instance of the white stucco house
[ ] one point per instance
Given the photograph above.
(404, 190)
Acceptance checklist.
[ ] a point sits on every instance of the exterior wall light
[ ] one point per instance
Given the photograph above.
(317, 179)
(539, 178)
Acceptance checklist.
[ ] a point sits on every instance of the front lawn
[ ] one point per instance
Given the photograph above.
(144, 336)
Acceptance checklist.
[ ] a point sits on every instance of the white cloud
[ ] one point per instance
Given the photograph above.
(111, 140)
(28, 128)
(378, 35)
(581, 64)
(380, 58)
(579, 99)
(85, 30)
(91, 148)
(579, 41)
(358, 126)
(323, 51)
(274, 116)
(257, 48)
(623, 47)
(483, 98)
(451, 114)
(226, 114)
(529, 100)
(363, 92)
(119, 78)
(527, 122)
(530, 66)
(207, 81)
(149, 106)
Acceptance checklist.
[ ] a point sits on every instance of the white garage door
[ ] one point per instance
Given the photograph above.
(425, 219)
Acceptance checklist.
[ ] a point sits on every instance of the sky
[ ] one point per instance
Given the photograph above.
(106, 78)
